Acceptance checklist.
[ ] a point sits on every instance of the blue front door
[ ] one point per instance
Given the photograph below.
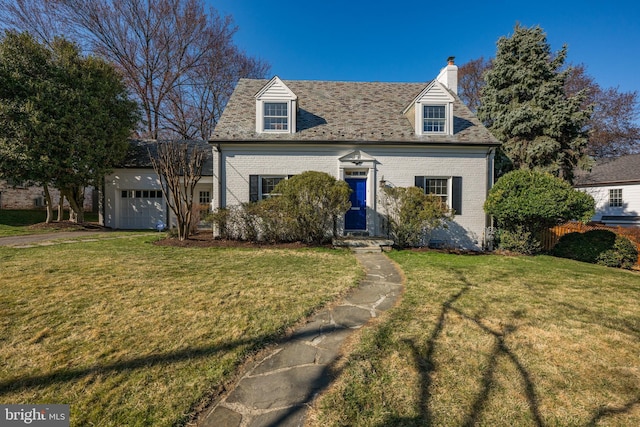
(356, 216)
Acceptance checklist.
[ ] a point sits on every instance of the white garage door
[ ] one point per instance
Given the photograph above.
(141, 209)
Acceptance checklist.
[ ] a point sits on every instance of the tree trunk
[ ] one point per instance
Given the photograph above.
(75, 196)
(61, 207)
(48, 203)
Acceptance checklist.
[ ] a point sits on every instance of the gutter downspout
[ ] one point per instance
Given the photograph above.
(488, 240)
(218, 202)
(218, 150)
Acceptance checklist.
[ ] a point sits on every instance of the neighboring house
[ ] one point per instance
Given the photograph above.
(133, 197)
(615, 186)
(367, 134)
(23, 195)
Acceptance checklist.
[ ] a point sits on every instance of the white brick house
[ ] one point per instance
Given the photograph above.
(615, 187)
(368, 134)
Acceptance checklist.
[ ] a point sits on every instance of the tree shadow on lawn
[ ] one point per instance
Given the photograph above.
(201, 406)
(425, 360)
(68, 375)
(423, 356)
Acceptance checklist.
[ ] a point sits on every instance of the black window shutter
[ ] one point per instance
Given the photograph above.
(456, 197)
(253, 188)
(420, 182)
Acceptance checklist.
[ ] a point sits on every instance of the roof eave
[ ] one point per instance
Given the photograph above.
(352, 142)
(607, 183)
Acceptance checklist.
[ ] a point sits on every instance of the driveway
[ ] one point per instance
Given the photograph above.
(45, 238)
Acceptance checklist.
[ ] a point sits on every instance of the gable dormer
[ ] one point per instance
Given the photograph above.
(431, 112)
(276, 108)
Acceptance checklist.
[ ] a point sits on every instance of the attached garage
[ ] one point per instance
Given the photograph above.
(132, 194)
(141, 209)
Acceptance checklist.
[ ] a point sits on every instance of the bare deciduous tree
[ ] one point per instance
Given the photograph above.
(471, 81)
(613, 128)
(34, 16)
(179, 166)
(177, 59)
(195, 105)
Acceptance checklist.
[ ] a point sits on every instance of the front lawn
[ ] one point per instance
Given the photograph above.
(496, 341)
(17, 222)
(133, 334)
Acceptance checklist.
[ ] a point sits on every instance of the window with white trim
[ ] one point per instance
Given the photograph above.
(449, 189)
(434, 119)
(438, 187)
(276, 116)
(261, 186)
(204, 198)
(356, 173)
(268, 184)
(615, 198)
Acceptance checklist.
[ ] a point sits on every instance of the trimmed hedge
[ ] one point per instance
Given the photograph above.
(602, 247)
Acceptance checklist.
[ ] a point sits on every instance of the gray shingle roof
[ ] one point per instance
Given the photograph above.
(618, 170)
(347, 112)
(139, 150)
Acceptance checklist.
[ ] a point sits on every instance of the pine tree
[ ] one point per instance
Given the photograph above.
(525, 106)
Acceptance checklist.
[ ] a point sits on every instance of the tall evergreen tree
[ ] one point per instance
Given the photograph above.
(525, 106)
(65, 119)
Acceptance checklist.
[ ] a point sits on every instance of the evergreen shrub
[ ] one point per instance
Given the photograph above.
(597, 247)
(519, 240)
(305, 207)
(412, 214)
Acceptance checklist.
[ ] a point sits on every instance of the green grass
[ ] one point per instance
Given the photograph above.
(496, 341)
(17, 222)
(133, 334)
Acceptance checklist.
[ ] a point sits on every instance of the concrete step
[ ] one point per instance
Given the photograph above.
(364, 244)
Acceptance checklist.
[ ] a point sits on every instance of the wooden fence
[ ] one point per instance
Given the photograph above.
(551, 236)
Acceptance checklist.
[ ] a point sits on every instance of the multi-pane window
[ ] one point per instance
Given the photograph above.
(204, 197)
(263, 186)
(448, 189)
(137, 194)
(433, 119)
(276, 116)
(268, 184)
(615, 198)
(438, 187)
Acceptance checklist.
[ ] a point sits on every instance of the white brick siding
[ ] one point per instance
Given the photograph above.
(398, 166)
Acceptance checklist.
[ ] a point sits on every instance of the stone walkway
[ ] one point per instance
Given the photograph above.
(277, 389)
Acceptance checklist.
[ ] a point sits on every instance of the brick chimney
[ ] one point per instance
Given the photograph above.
(449, 75)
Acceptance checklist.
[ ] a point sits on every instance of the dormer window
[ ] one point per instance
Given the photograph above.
(434, 119)
(431, 112)
(276, 108)
(276, 116)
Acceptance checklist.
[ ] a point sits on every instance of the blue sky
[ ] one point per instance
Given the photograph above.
(410, 40)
